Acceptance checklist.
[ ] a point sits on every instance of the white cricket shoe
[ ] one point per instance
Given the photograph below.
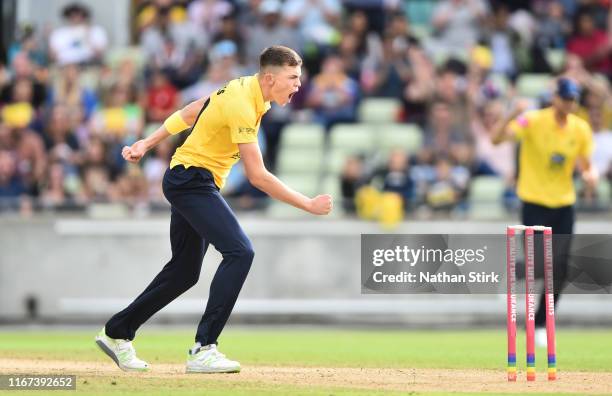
(541, 339)
(122, 352)
(208, 359)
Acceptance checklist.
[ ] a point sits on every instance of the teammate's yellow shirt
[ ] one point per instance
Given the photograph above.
(548, 156)
(231, 116)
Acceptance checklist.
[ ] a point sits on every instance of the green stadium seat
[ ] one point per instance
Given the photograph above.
(485, 197)
(379, 110)
(298, 135)
(487, 188)
(331, 185)
(299, 161)
(500, 82)
(555, 58)
(408, 137)
(335, 161)
(281, 210)
(352, 137)
(603, 193)
(307, 184)
(533, 85)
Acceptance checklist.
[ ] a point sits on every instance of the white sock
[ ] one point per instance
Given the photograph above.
(195, 348)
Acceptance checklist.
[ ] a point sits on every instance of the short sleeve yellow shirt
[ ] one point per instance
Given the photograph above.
(232, 115)
(548, 156)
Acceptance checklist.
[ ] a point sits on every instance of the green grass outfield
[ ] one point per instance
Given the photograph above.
(577, 350)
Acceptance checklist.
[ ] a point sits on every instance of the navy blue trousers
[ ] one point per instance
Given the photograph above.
(200, 216)
(562, 222)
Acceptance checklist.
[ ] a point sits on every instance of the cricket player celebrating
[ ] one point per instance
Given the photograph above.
(553, 141)
(224, 129)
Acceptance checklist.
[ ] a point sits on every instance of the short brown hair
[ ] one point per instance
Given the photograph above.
(278, 55)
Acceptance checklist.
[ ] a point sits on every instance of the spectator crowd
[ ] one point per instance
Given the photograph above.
(69, 100)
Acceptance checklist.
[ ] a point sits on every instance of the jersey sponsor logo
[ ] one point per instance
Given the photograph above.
(246, 130)
(236, 156)
(557, 160)
(219, 92)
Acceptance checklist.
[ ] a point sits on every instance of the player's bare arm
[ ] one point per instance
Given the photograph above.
(187, 114)
(501, 132)
(588, 171)
(261, 178)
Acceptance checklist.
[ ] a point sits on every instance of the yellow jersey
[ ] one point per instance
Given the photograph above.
(230, 116)
(548, 156)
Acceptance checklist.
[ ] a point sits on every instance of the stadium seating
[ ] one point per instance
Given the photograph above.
(499, 81)
(352, 138)
(603, 194)
(331, 185)
(533, 85)
(299, 161)
(307, 184)
(408, 137)
(379, 110)
(555, 58)
(303, 136)
(485, 197)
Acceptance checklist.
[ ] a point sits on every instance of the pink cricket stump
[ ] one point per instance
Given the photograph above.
(530, 302)
(511, 301)
(550, 304)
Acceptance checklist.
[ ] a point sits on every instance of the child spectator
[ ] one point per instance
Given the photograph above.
(352, 178)
(447, 189)
(396, 177)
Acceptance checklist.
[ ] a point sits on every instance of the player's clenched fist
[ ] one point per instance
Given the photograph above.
(321, 204)
(134, 152)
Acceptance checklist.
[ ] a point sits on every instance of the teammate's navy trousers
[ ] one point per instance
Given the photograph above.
(562, 222)
(199, 216)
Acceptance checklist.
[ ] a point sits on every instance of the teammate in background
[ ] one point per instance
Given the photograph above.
(553, 141)
(224, 129)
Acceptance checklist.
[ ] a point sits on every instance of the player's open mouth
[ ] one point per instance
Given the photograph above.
(291, 96)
